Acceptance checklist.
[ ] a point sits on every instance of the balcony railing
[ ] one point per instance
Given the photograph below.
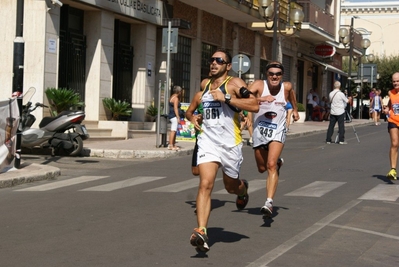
(318, 17)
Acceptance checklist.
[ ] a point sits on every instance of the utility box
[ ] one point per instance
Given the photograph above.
(163, 124)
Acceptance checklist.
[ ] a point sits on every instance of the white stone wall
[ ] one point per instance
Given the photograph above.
(7, 36)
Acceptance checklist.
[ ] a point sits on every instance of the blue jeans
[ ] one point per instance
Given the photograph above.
(341, 127)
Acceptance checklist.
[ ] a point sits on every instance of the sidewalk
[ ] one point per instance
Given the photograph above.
(135, 148)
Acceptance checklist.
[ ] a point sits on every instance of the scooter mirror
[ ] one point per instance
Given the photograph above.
(27, 97)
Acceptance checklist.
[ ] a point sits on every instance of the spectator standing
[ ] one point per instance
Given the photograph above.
(309, 106)
(348, 111)
(337, 114)
(392, 109)
(371, 97)
(174, 116)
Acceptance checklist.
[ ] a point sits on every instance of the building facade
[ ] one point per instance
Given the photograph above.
(376, 20)
(114, 48)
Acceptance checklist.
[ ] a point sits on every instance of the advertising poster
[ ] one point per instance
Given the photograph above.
(9, 118)
(185, 129)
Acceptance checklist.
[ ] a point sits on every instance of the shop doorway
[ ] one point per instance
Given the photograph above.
(123, 63)
(72, 56)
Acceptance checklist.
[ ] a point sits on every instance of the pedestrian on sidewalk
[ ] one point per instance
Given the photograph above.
(270, 126)
(174, 116)
(337, 114)
(392, 109)
(220, 141)
(309, 106)
(376, 104)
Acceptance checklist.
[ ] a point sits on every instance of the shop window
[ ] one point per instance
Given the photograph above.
(181, 67)
(206, 54)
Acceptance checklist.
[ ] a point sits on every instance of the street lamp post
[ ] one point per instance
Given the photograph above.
(269, 9)
(347, 39)
(365, 43)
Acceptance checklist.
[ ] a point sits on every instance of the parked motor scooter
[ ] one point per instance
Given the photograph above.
(63, 132)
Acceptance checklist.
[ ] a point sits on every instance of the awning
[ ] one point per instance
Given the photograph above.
(326, 66)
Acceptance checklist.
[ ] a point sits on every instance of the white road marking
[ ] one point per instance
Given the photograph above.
(289, 244)
(178, 187)
(254, 185)
(364, 231)
(122, 184)
(385, 192)
(63, 183)
(315, 189)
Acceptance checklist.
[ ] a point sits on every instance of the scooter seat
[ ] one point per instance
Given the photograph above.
(47, 120)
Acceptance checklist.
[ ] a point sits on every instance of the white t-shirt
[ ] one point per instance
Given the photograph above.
(338, 102)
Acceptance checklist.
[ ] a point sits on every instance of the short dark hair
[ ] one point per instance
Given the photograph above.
(226, 52)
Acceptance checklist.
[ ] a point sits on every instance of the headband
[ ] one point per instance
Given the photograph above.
(275, 65)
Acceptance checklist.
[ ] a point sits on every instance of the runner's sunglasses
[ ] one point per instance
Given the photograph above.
(271, 74)
(219, 60)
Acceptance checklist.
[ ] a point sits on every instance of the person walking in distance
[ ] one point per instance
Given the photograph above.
(376, 104)
(174, 116)
(392, 110)
(270, 126)
(219, 140)
(309, 106)
(337, 114)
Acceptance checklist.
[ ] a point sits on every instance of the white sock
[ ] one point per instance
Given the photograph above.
(269, 200)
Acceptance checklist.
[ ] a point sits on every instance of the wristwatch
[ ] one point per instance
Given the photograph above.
(227, 98)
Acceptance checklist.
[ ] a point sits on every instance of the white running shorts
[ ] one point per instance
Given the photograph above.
(229, 158)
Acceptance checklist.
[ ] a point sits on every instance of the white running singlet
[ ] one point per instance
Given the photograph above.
(270, 121)
(220, 124)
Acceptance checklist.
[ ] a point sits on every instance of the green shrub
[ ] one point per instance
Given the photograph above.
(152, 111)
(117, 108)
(62, 99)
(300, 107)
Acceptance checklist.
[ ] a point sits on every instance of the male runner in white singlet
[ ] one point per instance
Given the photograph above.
(270, 126)
(219, 140)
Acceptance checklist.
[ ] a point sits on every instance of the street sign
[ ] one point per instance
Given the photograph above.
(370, 72)
(240, 64)
(173, 40)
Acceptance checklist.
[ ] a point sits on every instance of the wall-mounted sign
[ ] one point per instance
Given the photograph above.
(324, 50)
(147, 10)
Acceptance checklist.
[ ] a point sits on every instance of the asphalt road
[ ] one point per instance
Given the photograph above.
(334, 207)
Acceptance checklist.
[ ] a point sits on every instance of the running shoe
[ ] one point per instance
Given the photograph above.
(267, 209)
(242, 201)
(199, 240)
(392, 174)
(280, 163)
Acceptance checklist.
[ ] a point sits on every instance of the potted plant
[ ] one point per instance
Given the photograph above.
(301, 112)
(62, 99)
(152, 112)
(119, 109)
